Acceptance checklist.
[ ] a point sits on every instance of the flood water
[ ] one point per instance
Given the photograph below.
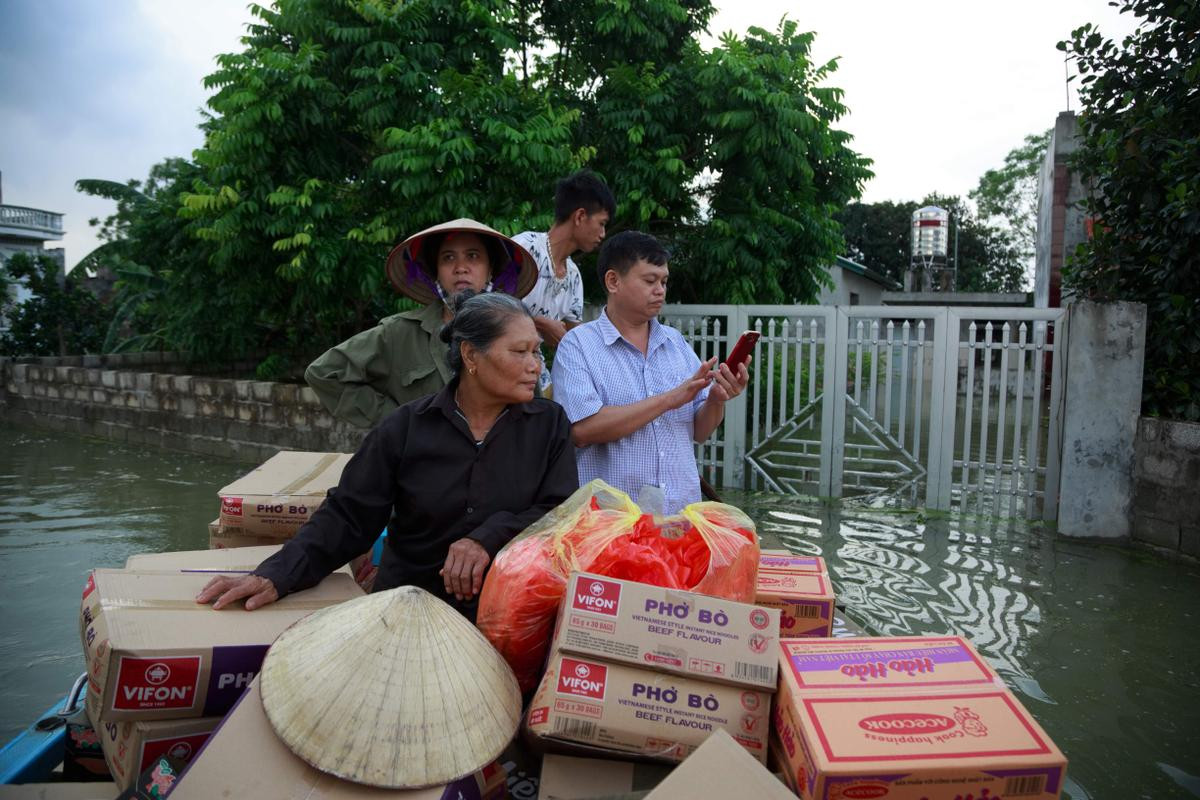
(1099, 642)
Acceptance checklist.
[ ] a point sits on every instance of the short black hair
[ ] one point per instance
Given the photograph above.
(621, 251)
(585, 190)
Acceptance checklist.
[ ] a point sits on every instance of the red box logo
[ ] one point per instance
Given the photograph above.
(582, 679)
(178, 747)
(597, 595)
(231, 506)
(156, 683)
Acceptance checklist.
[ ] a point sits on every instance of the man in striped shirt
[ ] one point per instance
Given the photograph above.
(637, 396)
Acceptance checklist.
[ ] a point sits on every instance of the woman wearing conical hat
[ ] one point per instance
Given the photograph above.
(454, 476)
(374, 372)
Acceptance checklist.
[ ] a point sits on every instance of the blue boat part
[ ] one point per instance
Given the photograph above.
(36, 751)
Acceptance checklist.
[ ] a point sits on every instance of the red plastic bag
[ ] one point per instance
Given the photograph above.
(709, 548)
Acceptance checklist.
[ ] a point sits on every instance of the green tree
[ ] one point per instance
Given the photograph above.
(60, 318)
(989, 257)
(1009, 194)
(147, 246)
(343, 126)
(1139, 156)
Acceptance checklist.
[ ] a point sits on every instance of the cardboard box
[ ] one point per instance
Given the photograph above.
(627, 709)
(278, 497)
(673, 631)
(152, 652)
(777, 761)
(570, 778)
(96, 790)
(132, 746)
(785, 561)
(906, 745)
(244, 758)
(883, 662)
(218, 562)
(223, 537)
(804, 600)
(720, 768)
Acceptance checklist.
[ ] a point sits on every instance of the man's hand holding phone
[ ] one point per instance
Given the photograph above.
(732, 375)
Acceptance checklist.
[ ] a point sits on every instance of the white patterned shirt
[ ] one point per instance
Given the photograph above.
(553, 297)
(595, 367)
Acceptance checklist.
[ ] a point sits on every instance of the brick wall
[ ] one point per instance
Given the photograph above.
(1166, 503)
(135, 399)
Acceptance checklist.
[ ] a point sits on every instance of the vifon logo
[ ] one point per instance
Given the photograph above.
(180, 750)
(157, 674)
(597, 596)
(582, 670)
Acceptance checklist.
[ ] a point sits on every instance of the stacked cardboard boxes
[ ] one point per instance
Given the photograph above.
(245, 758)
(163, 670)
(272, 502)
(645, 671)
(800, 588)
(906, 718)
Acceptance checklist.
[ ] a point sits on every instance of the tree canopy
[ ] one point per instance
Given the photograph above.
(1009, 194)
(1139, 156)
(989, 258)
(344, 125)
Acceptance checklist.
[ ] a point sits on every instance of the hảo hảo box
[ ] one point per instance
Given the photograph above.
(669, 630)
(886, 662)
(804, 600)
(906, 745)
(627, 709)
(152, 652)
(905, 718)
(277, 498)
(785, 561)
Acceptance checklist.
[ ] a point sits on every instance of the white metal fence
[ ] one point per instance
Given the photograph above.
(940, 407)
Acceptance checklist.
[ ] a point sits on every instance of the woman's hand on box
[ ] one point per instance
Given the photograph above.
(257, 590)
(463, 571)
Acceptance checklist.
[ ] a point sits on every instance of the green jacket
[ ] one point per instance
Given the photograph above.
(373, 373)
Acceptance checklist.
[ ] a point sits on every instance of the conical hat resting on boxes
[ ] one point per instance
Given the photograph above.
(395, 689)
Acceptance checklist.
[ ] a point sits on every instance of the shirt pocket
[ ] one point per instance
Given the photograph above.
(416, 374)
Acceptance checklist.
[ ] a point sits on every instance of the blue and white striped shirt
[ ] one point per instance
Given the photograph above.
(595, 367)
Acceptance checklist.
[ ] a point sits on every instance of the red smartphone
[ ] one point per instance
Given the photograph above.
(741, 351)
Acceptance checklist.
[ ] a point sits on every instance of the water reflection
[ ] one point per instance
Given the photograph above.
(1082, 632)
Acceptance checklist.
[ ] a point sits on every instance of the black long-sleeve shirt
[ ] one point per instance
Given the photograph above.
(422, 467)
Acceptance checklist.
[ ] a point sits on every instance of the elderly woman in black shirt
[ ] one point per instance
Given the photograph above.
(459, 473)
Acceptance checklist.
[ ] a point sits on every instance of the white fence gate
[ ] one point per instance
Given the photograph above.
(941, 407)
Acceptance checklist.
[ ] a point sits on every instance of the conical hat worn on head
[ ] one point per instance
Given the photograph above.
(412, 273)
(395, 689)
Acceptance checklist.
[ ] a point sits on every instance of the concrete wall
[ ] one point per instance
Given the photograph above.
(1102, 403)
(1166, 510)
(243, 420)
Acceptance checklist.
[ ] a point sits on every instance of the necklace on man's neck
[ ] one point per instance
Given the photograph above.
(553, 263)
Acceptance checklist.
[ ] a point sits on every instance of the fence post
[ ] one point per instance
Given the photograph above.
(733, 474)
(1104, 358)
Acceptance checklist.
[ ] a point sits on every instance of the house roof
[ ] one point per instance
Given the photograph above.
(866, 272)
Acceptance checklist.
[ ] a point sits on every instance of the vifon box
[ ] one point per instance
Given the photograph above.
(670, 630)
(641, 712)
(153, 652)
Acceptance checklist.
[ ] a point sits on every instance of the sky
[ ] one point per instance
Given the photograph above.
(938, 93)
